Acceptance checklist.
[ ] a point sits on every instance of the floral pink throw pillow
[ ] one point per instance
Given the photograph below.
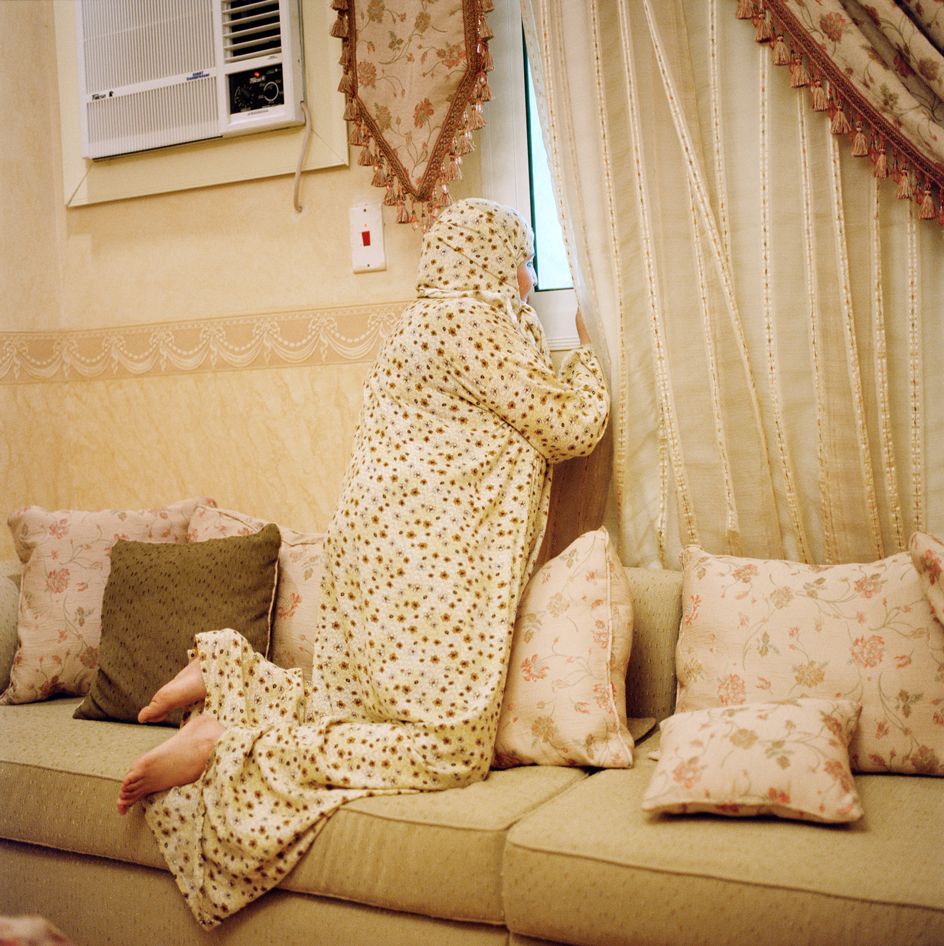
(66, 562)
(565, 693)
(927, 553)
(755, 630)
(789, 759)
(298, 601)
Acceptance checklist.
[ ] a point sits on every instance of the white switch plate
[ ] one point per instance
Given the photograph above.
(367, 241)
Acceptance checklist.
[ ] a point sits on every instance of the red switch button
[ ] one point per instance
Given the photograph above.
(365, 237)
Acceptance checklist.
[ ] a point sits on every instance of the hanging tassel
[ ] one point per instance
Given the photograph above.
(476, 120)
(339, 30)
(485, 31)
(781, 51)
(820, 101)
(367, 158)
(762, 31)
(380, 177)
(860, 147)
(355, 135)
(346, 85)
(881, 163)
(840, 124)
(350, 111)
(487, 62)
(905, 190)
(484, 93)
(339, 5)
(403, 215)
(940, 216)
(799, 77)
(487, 6)
(745, 10)
(928, 210)
(345, 59)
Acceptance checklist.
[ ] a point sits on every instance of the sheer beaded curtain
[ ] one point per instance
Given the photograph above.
(773, 315)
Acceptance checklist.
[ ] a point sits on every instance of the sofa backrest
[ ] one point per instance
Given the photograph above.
(650, 681)
(657, 612)
(9, 595)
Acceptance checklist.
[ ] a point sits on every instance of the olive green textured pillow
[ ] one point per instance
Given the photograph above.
(160, 595)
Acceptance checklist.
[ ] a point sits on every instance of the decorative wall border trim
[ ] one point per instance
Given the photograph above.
(277, 339)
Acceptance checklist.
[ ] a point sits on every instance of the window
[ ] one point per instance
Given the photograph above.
(515, 172)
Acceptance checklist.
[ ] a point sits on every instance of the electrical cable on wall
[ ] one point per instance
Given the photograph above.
(306, 140)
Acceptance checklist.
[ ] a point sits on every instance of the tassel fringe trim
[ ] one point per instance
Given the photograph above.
(845, 121)
(412, 208)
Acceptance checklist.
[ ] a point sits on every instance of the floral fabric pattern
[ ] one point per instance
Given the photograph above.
(789, 759)
(877, 69)
(927, 553)
(755, 631)
(297, 606)
(415, 83)
(565, 693)
(66, 562)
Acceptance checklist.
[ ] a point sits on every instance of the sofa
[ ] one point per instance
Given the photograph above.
(533, 854)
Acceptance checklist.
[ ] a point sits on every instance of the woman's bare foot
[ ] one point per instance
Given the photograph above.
(179, 761)
(184, 690)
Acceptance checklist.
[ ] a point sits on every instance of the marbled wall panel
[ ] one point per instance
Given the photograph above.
(273, 442)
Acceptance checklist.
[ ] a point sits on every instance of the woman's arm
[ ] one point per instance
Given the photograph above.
(560, 415)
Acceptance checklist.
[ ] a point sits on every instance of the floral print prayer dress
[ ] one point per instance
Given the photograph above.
(437, 528)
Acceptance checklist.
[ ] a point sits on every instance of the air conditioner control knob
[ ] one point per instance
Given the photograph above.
(271, 91)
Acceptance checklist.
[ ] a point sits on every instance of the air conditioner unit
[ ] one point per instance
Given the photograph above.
(154, 73)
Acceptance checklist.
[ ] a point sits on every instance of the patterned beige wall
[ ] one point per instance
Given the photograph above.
(209, 341)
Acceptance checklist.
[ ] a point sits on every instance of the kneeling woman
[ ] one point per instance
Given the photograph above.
(438, 525)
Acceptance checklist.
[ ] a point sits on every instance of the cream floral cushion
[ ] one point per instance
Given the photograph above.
(789, 759)
(298, 603)
(66, 562)
(755, 630)
(927, 554)
(565, 695)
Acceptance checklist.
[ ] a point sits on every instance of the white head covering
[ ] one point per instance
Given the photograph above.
(473, 250)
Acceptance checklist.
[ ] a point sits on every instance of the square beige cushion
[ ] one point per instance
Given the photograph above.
(66, 562)
(789, 759)
(565, 693)
(430, 853)
(298, 605)
(590, 866)
(754, 631)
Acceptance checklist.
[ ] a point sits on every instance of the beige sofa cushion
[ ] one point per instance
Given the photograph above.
(591, 867)
(438, 853)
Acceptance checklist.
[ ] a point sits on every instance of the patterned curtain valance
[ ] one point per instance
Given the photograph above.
(877, 69)
(414, 77)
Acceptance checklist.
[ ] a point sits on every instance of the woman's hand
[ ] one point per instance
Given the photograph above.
(582, 332)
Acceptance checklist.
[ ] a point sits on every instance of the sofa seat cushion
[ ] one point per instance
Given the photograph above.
(591, 867)
(437, 854)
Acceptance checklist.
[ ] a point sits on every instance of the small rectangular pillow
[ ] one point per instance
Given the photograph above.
(755, 630)
(159, 596)
(298, 606)
(565, 693)
(789, 759)
(65, 557)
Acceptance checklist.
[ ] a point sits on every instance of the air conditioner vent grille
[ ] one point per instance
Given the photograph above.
(154, 119)
(134, 41)
(251, 28)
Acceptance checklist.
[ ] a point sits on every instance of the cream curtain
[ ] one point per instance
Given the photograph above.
(772, 315)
